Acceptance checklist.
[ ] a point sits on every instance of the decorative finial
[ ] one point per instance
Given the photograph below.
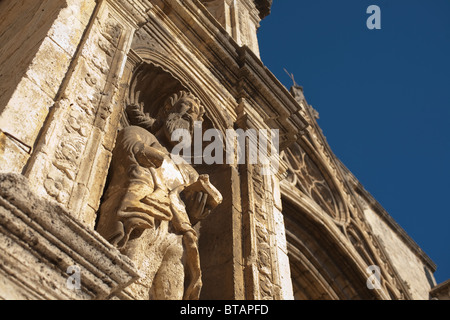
(291, 76)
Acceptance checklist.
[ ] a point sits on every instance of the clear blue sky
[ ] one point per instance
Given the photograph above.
(383, 99)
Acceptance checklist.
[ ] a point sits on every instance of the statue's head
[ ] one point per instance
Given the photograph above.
(180, 111)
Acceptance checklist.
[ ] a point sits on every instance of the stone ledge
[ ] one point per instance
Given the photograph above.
(441, 291)
(39, 240)
(264, 7)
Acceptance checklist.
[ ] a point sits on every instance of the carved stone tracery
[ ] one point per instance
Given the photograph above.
(303, 173)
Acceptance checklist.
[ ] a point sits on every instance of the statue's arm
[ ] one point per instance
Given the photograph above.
(198, 209)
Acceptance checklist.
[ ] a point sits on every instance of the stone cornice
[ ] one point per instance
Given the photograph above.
(264, 7)
(282, 111)
(237, 68)
(35, 227)
(132, 10)
(441, 291)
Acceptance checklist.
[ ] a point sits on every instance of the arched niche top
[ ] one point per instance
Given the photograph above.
(322, 266)
(151, 86)
(156, 77)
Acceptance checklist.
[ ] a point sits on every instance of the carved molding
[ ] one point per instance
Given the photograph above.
(263, 237)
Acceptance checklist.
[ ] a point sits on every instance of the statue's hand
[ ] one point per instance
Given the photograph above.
(197, 207)
(133, 108)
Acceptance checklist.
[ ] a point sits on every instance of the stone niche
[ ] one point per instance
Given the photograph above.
(151, 90)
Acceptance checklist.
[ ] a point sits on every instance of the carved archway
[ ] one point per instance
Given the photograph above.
(321, 268)
(307, 187)
(151, 86)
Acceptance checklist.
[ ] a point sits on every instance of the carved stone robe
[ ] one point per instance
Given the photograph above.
(140, 192)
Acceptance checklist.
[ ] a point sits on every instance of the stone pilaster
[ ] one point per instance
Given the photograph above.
(266, 263)
(71, 158)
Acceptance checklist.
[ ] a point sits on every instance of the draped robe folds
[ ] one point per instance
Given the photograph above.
(139, 193)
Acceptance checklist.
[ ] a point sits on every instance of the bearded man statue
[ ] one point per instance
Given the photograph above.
(143, 213)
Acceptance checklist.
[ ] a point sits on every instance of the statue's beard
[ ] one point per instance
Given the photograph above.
(175, 122)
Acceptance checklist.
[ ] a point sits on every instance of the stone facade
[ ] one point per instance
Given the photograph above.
(86, 83)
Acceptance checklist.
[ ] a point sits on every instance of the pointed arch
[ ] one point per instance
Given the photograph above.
(324, 266)
(309, 173)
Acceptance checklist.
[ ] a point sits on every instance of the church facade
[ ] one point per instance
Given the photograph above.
(93, 207)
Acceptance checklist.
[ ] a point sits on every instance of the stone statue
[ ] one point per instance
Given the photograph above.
(143, 212)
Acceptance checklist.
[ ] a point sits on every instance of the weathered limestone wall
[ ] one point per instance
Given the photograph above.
(18, 42)
(407, 263)
(37, 46)
(70, 161)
